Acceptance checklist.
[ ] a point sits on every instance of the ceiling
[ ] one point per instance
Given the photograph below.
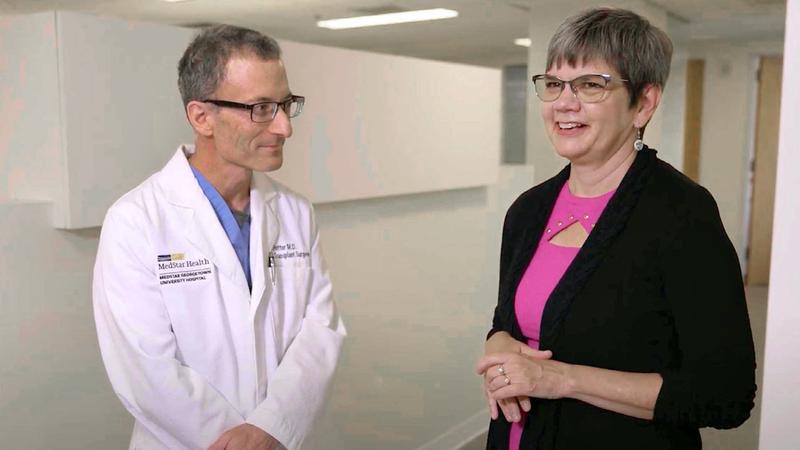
(482, 34)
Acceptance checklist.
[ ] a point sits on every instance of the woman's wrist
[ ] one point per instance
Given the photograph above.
(572, 379)
(497, 341)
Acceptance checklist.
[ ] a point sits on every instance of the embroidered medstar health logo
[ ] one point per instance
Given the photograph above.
(172, 257)
(175, 268)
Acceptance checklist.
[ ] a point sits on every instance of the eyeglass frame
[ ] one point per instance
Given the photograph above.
(301, 100)
(608, 79)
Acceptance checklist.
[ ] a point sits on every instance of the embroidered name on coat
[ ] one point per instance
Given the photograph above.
(288, 251)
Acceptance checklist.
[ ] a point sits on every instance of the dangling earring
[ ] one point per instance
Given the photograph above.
(638, 144)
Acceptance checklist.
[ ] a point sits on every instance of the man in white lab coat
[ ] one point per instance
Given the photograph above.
(213, 305)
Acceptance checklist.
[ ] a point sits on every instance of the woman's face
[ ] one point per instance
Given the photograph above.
(589, 133)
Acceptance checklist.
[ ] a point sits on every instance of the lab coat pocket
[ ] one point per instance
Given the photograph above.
(288, 302)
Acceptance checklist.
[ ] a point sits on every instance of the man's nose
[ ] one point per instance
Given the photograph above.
(281, 124)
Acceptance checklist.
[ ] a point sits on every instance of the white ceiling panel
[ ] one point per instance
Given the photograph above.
(483, 33)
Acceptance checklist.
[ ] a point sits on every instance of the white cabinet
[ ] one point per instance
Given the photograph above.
(377, 125)
(90, 106)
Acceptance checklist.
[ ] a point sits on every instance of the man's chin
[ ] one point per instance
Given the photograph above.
(271, 165)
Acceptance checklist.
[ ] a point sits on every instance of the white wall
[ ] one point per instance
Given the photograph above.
(673, 109)
(416, 280)
(53, 389)
(30, 109)
(377, 125)
(781, 392)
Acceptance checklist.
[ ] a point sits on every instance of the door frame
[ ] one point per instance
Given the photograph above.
(752, 112)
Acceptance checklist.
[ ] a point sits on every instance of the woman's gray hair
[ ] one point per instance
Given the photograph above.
(626, 41)
(203, 65)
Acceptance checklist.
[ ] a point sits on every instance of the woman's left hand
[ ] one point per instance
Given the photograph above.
(525, 376)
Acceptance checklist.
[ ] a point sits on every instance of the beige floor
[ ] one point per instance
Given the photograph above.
(746, 436)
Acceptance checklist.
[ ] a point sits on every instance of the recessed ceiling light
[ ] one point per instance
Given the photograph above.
(175, 1)
(388, 19)
(524, 42)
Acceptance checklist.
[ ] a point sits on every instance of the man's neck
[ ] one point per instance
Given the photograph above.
(231, 181)
(598, 178)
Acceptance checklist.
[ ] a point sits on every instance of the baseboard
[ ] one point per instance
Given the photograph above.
(460, 434)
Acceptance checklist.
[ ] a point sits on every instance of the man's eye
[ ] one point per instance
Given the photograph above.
(262, 108)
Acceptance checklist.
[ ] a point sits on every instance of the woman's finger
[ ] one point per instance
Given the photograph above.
(489, 376)
(510, 409)
(493, 372)
(494, 359)
(512, 391)
(524, 403)
(492, 407)
(495, 377)
(536, 354)
(498, 383)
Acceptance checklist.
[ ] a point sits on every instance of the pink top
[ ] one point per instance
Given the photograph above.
(548, 265)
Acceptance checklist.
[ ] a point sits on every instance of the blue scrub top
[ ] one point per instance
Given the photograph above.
(238, 231)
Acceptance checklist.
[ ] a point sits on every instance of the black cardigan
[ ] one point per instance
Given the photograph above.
(656, 288)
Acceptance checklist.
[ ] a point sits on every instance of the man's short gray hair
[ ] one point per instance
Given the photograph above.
(626, 41)
(203, 65)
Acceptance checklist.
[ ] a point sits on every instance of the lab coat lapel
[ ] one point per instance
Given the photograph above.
(264, 231)
(202, 227)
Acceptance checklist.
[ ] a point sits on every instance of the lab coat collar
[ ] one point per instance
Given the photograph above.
(176, 173)
(203, 229)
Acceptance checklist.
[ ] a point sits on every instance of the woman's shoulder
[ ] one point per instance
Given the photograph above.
(672, 189)
(538, 196)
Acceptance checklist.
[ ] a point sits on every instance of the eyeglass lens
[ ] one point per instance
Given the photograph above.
(588, 88)
(264, 112)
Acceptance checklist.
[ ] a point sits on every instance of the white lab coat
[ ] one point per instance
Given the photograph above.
(188, 349)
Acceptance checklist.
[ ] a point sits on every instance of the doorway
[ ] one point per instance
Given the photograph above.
(693, 118)
(763, 167)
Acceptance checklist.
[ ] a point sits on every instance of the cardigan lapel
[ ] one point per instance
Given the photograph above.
(610, 224)
(534, 221)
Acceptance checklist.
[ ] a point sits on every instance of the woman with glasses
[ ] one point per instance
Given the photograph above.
(621, 321)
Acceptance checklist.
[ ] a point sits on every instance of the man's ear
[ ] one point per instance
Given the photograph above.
(647, 104)
(199, 118)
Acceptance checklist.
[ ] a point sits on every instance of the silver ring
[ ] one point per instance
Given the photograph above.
(506, 380)
(501, 370)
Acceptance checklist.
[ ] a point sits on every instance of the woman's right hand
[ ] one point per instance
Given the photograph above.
(502, 342)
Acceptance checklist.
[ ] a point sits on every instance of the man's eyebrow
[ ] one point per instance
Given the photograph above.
(270, 99)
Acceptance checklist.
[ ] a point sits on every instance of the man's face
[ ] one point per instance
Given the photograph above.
(238, 140)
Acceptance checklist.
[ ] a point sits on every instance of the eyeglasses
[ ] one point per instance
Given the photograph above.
(265, 111)
(591, 88)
